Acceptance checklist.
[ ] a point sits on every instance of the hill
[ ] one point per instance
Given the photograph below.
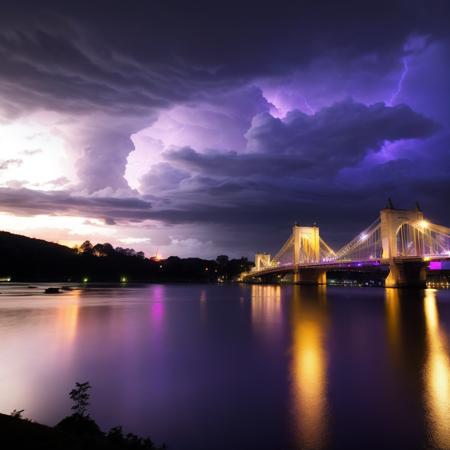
(28, 259)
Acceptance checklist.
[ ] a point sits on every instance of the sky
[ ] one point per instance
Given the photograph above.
(207, 128)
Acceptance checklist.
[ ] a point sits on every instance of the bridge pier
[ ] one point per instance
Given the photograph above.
(310, 276)
(407, 274)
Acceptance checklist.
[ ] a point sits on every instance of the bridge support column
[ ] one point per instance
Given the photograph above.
(262, 260)
(311, 276)
(407, 274)
(391, 220)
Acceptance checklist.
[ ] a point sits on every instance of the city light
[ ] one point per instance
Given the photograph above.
(85, 279)
(123, 279)
(423, 224)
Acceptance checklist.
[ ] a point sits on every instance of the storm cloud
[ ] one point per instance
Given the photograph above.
(224, 120)
(335, 137)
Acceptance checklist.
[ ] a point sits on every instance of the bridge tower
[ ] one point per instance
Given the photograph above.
(410, 272)
(306, 244)
(306, 250)
(262, 260)
(391, 221)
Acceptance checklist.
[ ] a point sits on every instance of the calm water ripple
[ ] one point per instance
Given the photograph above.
(205, 367)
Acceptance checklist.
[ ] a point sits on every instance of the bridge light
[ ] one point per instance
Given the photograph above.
(363, 237)
(423, 224)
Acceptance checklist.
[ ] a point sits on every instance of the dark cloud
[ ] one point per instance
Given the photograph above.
(79, 56)
(233, 172)
(336, 137)
(30, 202)
(162, 177)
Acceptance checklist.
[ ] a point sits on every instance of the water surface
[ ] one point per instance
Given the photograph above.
(236, 367)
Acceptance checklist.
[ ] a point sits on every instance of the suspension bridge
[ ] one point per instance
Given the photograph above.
(402, 242)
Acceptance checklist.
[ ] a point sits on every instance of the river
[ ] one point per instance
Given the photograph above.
(215, 367)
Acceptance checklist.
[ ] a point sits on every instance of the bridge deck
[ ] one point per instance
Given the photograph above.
(372, 264)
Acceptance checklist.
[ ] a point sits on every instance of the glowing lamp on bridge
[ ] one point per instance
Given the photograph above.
(423, 224)
(363, 237)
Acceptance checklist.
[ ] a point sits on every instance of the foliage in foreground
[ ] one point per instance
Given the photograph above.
(75, 432)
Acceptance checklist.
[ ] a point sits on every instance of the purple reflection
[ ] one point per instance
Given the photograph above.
(157, 306)
(435, 265)
(157, 312)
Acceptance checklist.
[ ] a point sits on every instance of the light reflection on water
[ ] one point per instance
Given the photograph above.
(266, 307)
(436, 374)
(278, 366)
(393, 321)
(309, 366)
(67, 318)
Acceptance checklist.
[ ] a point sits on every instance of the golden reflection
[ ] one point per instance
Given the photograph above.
(67, 316)
(437, 372)
(266, 305)
(392, 302)
(309, 366)
(44, 332)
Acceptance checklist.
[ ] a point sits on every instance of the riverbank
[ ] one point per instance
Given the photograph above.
(24, 434)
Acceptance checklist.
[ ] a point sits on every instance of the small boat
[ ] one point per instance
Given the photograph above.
(52, 290)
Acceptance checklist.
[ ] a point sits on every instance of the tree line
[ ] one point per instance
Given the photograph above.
(27, 259)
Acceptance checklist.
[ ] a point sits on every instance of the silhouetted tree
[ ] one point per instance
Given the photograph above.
(105, 249)
(222, 260)
(86, 247)
(80, 395)
(17, 414)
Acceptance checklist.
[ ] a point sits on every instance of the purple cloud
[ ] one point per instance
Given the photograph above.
(179, 98)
